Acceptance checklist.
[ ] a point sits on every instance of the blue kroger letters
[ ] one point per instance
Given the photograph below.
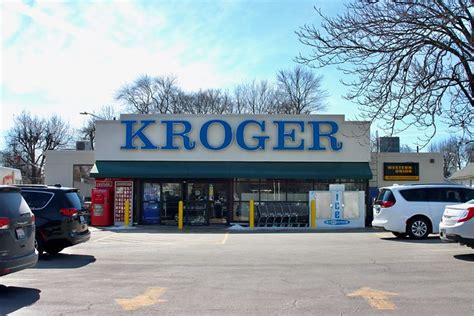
(283, 134)
(317, 134)
(203, 134)
(171, 133)
(130, 135)
(249, 134)
(260, 139)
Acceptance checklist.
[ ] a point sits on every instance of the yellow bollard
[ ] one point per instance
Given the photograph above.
(251, 214)
(180, 215)
(313, 214)
(127, 213)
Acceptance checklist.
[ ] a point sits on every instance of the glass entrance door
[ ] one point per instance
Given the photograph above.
(218, 198)
(206, 203)
(196, 204)
(171, 195)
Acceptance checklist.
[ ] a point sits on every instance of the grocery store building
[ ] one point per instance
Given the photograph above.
(217, 164)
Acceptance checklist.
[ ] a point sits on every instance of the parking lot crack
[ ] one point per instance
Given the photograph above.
(384, 266)
(293, 305)
(88, 308)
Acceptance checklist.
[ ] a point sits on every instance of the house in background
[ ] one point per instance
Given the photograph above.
(465, 175)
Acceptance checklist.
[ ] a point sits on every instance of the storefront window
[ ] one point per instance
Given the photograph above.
(241, 211)
(243, 193)
(353, 185)
(322, 186)
(298, 191)
(246, 191)
(272, 191)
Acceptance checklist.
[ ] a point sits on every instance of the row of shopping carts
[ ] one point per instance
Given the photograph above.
(281, 215)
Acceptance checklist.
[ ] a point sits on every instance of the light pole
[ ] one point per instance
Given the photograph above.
(90, 130)
(91, 114)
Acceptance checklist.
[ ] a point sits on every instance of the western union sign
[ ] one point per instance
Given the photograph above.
(401, 171)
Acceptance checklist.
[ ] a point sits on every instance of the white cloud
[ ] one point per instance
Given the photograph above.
(114, 45)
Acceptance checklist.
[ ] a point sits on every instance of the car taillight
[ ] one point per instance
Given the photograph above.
(68, 211)
(4, 223)
(33, 218)
(385, 204)
(468, 214)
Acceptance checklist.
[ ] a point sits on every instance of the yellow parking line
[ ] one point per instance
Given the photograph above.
(226, 236)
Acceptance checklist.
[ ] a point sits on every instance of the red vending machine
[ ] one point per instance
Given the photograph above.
(102, 214)
(123, 194)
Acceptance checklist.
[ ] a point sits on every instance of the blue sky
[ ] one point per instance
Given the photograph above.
(68, 57)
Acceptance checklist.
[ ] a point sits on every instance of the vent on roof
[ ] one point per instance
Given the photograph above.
(389, 144)
(83, 145)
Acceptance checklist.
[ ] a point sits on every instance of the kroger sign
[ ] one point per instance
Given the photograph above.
(178, 135)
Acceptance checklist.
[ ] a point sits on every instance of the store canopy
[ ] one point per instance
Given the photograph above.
(212, 169)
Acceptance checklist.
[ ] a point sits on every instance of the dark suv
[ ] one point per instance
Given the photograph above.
(17, 232)
(61, 220)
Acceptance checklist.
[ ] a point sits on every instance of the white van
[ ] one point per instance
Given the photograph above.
(416, 210)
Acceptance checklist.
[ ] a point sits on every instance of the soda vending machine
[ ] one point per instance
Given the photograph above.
(102, 214)
(151, 203)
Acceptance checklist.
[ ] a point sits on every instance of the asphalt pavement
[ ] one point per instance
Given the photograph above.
(214, 271)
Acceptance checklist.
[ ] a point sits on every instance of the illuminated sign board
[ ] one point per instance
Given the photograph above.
(401, 171)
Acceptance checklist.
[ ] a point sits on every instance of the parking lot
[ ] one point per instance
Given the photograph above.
(217, 271)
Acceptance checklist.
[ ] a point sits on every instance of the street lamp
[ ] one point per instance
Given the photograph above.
(91, 114)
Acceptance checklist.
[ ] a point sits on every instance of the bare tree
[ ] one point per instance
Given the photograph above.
(411, 60)
(239, 104)
(210, 101)
(150, 95)
(406, 149)
(87, 132)
(455, 153)
(165, 95)
(30, 138)
(138, 97)
(300, 92)
(255, 97)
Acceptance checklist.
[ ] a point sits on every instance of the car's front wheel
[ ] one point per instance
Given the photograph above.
(418, 228)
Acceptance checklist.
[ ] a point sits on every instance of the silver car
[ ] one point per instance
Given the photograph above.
(457, 224)
(17, 232)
